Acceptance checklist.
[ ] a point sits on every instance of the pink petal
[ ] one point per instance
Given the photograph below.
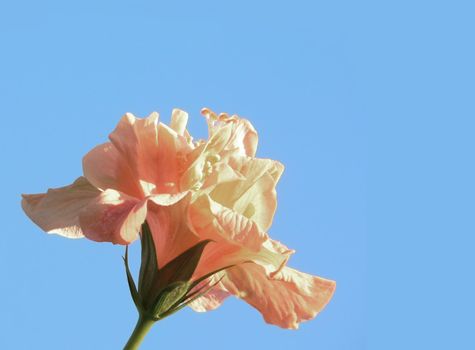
(287, 299)
(104, 167)
(221, 254)
(144, 157)
(113, 217)
(57, 210)
(136, 140)
(172, 151)
(169, 228)
(128, 160)
(211, 300)
(218, 255)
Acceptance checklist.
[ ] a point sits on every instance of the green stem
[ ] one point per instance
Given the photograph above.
(141, 329)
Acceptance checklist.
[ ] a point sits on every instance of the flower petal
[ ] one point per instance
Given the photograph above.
(113, 217)
(211, 300)
(169, 228)
(167, 198)
(144, 157)
(192, 175)
(105, 168)
(57, 210)
(254, 195)
(214, 221)
(178, 121)
(258, 190)
(286, 300)
(136, 140)
(239, 135)
(237, 239)
(220, 173)
(172, 150)
(219, 255)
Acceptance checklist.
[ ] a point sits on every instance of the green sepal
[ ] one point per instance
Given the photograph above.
(163, 291)
(169, 296)
(180, 269)
(149, 265)
(130, 280)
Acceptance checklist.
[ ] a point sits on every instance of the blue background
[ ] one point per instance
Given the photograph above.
(368, 104)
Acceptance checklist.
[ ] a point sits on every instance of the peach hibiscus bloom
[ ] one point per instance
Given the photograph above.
(187, 192)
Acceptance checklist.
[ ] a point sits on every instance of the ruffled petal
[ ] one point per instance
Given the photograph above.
(106, 168)
(220, 173)
(253, 195)
(219, 255)
(144, 156)
(178, 121)
(236, 239)
(57, 210)
(172, 151)
(285, 300)
(136, 140)
(193, 175)
(178, 124)
(113, 217)
(237, 136)
(214, 221)
(228, 137)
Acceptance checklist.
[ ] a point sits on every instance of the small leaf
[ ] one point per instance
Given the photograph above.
(169, 296)
(189, 298)
(130, 280)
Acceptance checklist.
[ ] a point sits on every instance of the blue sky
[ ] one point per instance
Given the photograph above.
(368, 104)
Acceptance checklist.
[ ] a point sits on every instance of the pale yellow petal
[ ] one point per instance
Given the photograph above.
(214, 221)
(236, 135)
(178, 121)
(254, 195)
